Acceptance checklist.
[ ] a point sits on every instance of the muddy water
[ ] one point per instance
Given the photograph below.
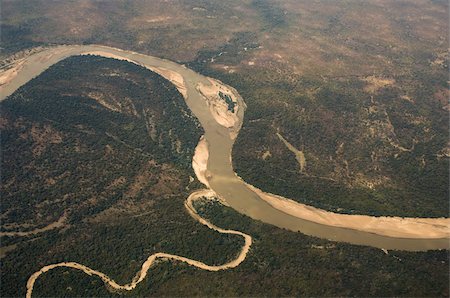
(223, 179)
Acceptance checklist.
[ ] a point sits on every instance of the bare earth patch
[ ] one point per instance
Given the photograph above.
(299, 155)
(376, 83)
(266, 155)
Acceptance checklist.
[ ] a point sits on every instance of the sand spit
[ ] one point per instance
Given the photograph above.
(200, 161)
(421, 228)
(142, 273)
(9, 74)
(217, 106)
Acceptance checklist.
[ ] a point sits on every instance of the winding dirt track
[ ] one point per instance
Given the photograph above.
(141, 274)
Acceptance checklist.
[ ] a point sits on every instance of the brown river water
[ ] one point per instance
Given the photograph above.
(223, 181)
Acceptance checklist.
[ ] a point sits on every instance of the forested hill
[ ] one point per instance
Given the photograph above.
(87, 130)
(77, 144)
(99, 149)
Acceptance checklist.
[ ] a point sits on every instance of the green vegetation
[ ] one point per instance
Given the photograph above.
(114, 224)
(360, 87)
(231, 104)
(57, 145)
(375, 143)
(281, 263)
(109, 144)
(374, 154)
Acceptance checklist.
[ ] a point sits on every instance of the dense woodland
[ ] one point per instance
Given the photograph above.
(87, 139)
(64, 128)
(280, 263)
(305, 70)
(109, 144)
(115, 224)
(368, 151)
(352, 164)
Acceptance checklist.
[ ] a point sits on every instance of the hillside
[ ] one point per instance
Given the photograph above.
(76, 117)
(347, 110)
(358, 89)
(95, 168)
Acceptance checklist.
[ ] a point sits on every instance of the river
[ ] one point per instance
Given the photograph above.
(223, 180)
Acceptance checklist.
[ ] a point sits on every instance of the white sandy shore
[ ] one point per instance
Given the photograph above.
(200, 161)
(419, 228)
(9, 74)
(172, 76)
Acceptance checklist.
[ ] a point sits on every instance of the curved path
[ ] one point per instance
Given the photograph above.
(220, 132)
(141, 274)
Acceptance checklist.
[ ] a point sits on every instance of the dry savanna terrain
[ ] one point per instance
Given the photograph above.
(347, 110)
(359, 88)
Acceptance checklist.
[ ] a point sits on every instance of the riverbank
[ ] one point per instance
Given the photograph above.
(422, 228)
(213, 161)
(200, 161)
